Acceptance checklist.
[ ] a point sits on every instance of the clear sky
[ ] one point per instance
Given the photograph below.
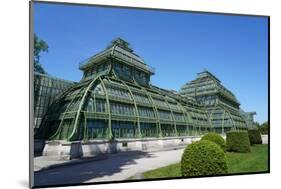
(177, 44)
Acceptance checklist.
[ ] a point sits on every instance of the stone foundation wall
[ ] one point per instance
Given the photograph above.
(70, 150)
(38, 146)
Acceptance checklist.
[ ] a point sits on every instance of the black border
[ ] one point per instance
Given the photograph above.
(31, 99)
(268, 92)
(149, 180)
(31, 29)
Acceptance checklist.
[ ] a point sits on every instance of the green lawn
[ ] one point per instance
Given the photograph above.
(255, 161)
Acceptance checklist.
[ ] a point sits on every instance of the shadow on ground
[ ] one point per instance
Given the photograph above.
(82, 172)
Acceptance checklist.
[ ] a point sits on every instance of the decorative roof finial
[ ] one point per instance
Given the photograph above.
(121, 43)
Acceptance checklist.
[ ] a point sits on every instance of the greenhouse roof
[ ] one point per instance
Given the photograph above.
(118, 49)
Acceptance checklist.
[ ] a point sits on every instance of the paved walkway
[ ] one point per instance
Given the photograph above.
(116, 167)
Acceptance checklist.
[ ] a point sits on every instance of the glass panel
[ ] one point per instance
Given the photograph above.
(179, 117)
(182, 130)
(46, 89)
(167, 130)
(121, 93)
(165, 115)
(96, 128)
(146, 112)
(123, 129)
(141, 98)
(148, 129)
(100, 105)
(121, 109)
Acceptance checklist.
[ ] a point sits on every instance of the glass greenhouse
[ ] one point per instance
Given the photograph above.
(115, 99)
(45, 90)
(220, 103)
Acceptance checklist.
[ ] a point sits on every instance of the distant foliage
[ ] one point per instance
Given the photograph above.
(39, 46)
(39, 68)
(256, 124)
(216, 138)
(202, 158)
(238, 141)
(264, 128)
(254, 136)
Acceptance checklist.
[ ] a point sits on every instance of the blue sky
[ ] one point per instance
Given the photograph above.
(177, 44)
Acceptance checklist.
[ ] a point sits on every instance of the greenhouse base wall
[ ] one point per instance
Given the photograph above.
(38, 146)
(63, 150)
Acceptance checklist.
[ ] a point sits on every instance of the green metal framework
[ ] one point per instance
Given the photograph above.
(114, 99)
(46, 89)
(220, 104)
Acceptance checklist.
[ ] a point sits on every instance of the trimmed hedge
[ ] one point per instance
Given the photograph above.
(254, 136)
(238, 141)
(202, 158)
(216, 138)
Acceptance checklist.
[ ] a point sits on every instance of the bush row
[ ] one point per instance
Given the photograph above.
(203, 158)
(207, 156)
(238, 141)
(216, 138)
(254, 136)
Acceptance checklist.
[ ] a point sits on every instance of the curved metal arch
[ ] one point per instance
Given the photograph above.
(81, 105)
(165, 99)
(204, 123)
(240, 124)
(231, 118)
(113, 48)
(222, 123)
(173, 117)
(197, 121)
(208, 117)
(189, 116)
(243, 122)
(65, 92)
(204, 111)
(186, 113)
(217, 107)
(114, 74)
(211, 113)
(154, 107)
(191, 121)
(201, 122)
(62, 120)
(136, 109)
(108, 109)
(156, 112)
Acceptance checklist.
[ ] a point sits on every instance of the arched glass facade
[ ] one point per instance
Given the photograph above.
(115, 99)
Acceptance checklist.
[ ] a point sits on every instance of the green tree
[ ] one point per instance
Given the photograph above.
(256, 124)
(39, 46)
(264, 128)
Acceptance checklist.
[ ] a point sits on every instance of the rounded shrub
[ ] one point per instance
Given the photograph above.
(202, 158)
(254, 136)
(238, 141)
(216, 138)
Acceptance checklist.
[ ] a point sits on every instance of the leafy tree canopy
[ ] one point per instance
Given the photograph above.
(39, 46)
(257, 124)
(264, 128)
